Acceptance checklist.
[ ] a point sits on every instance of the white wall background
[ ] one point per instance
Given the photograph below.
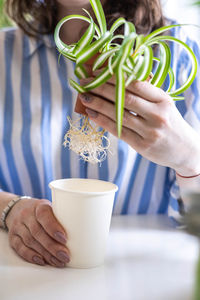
(183, 11)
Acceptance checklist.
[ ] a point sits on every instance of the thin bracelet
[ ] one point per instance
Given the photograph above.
(193, 176)
(8, 208)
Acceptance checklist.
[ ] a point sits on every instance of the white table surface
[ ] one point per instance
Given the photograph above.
(147, 259)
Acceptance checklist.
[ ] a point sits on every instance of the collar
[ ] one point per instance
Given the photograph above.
(31, 45)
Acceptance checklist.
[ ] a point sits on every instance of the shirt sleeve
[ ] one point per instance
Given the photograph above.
(189, 107)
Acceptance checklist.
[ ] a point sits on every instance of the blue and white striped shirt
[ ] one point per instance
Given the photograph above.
(35, 100)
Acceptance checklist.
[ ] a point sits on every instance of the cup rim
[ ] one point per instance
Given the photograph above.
(114, 189)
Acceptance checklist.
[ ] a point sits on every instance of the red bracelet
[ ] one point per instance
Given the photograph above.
(193, 176)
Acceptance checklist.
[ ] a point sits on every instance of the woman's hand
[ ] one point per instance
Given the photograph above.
(152, 125)
(35, 234)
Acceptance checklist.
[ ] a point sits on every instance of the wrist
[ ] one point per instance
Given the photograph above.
(188, 172)
(188, 177)
(185, 159)
(8, 210)
(189, 166)
(188, 183)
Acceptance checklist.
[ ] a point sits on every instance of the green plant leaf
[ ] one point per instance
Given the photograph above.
(193, 59)
(129, 60)
(100, 16)
(119, 98)
(120, 79)
(101, 59)
(164, 65)
(93, 48)
(119, 22)
(77, 86)
(80, 72)
(146, 67)
(85, 40)
(59, 43)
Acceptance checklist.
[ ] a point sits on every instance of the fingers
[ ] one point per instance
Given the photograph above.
(148, 92)
(48, 221)
(107, 109)
(26, 253)
(142, 89)
(40, 235)
(127, 134)
(132, 102)
(35, 234)
(145, 90)
(31, 243)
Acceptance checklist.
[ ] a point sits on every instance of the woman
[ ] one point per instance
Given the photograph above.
(156, 145)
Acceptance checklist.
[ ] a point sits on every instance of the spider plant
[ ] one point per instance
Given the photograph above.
(130, 60)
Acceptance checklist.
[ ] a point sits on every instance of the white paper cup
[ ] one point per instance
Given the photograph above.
(84, 208)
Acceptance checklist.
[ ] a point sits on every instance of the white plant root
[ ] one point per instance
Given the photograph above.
(86, 140)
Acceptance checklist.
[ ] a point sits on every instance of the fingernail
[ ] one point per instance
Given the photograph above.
(57, 263)
(38, 260)
(91, 113)
(60, 237)
(85, 98)
(63, 256)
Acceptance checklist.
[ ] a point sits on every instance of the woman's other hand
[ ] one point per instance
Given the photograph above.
(35, 234)
(152, 125)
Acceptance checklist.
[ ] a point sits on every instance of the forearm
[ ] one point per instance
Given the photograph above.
(5, 198)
